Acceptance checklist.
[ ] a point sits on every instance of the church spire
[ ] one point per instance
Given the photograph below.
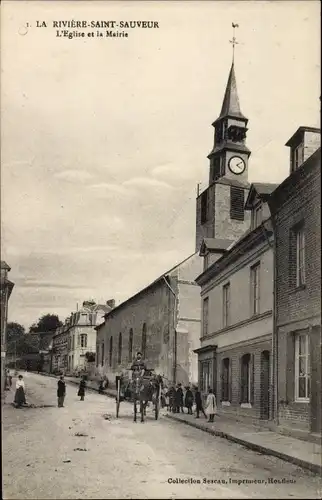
(230, 105)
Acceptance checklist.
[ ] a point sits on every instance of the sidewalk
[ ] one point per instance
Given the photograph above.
(302, 453)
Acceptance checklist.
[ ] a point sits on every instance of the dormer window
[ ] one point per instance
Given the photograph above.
(257, 215)
(206, 261)
(297, 156)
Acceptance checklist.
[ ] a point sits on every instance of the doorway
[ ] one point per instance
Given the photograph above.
(265, 385)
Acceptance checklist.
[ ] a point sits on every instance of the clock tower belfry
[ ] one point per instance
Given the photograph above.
(220, 207)
(229, 156)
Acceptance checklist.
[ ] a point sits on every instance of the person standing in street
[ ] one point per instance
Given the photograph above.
(211, 406)
(199, 406)
(180, 398)
(81, 390)
(20, 395)
(61, 391)
(189, 400)
(172, 396)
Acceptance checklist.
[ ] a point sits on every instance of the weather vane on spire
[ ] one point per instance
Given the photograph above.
(234, 41)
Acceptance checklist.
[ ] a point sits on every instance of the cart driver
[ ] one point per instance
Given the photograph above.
(138, 365)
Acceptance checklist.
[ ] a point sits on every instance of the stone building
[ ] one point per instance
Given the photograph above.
(82, 333)
(296, 211)
(237, 319)
(59, 352)
(5, 291)
(162, 321)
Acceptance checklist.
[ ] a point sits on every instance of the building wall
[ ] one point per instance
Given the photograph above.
(299, 309)
(246, 333)
(225, 227)
(189, 319)
(6, 287)
(60, 351)
(76, 354)
(254, 347)
(219, 224)
(155, 308)
(239, 275)
(169, 353)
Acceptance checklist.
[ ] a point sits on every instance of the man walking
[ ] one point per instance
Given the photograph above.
(61, 391)
(199, 407)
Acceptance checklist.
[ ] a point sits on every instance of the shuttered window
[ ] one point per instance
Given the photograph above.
(245, 379)
(119, 355)
(205, 316)
(111, 351)
(237, 203)
(131, 345)
(226, 380)
(102, 358)
(204, 207)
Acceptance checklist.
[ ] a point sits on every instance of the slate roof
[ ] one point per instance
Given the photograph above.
(295, 137)
(215, 244)
(4, 265)
(230, 105)
(263, 190)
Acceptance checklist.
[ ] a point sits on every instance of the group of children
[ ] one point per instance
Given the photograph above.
(175, 400)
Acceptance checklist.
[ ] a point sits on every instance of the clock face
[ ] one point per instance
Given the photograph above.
(236, 165)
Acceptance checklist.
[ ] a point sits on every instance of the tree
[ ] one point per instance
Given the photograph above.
(15, 335)
(14, 331)
(47, 323)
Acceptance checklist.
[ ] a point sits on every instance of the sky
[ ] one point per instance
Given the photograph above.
(104, 140)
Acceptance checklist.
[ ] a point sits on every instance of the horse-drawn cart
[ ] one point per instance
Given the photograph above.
(143, 389)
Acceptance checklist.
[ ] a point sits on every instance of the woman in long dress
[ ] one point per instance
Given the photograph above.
(20, 396)
(211, 406)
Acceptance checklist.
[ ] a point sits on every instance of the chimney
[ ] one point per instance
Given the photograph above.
(111, 303)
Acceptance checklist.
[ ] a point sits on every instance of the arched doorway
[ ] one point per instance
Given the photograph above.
(265, 385)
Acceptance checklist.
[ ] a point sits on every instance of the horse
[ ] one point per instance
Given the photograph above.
(144, 390)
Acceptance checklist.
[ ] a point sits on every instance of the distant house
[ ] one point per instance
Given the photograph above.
(82, 333)
(162, 321)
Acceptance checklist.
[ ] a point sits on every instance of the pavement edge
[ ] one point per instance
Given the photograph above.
(317, 469)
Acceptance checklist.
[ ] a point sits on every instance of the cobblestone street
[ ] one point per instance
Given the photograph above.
(44, 458)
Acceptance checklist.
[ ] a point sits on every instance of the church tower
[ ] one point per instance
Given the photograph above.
(220, 207)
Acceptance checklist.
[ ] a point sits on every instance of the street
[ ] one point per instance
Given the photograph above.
(43, 458)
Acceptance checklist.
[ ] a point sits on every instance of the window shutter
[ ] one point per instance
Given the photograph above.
(241, 381)
(230, 381)
(252, 378)
(237, 203)
(290, 368)
(292, 259)
(222, 380)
